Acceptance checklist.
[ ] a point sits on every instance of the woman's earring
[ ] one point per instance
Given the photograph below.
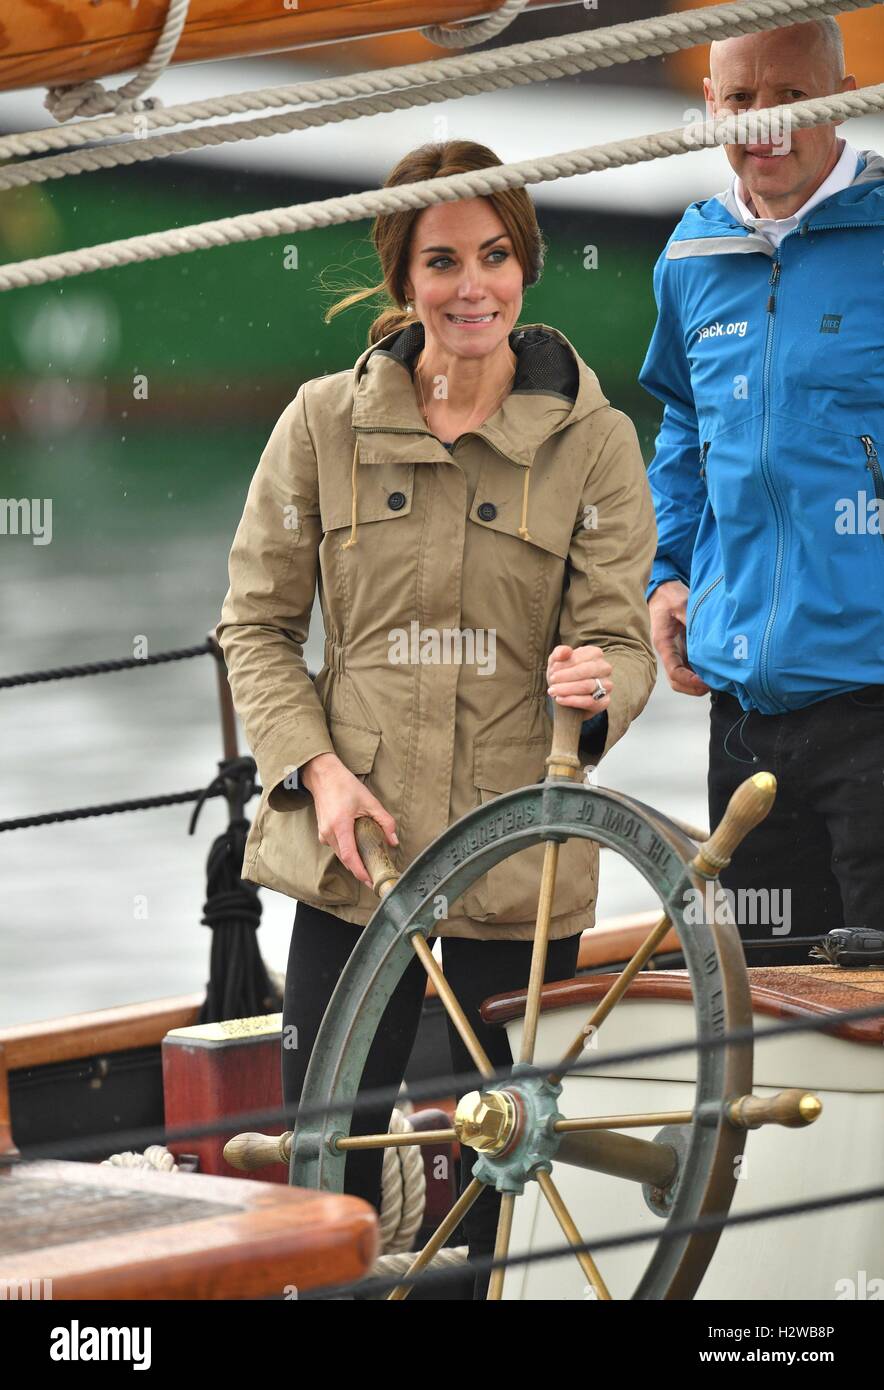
(409, 307)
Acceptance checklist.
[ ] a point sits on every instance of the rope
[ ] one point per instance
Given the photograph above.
(391, 1266)
(431, 1089)
(112, 808)
(671, 1231)
(157, 1156)
(161, 147)
(602, 48)
(478, 183)
(91, 98)
(101, 668)
(403, 1190)
(477, 30)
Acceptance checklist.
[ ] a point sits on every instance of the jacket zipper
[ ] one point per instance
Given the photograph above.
(873, 463)
(702, 599)
(767, 474)
(704, 450)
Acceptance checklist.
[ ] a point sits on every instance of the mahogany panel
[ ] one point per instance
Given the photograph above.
(114, 1233)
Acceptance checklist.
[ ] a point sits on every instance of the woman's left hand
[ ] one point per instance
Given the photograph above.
(574, 673)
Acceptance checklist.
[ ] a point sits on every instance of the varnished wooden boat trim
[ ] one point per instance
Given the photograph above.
(73, 42)
(268, 1236)
(102, 1030)
(791, 991)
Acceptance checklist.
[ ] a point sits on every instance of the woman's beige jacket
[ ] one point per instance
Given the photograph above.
(439, 615)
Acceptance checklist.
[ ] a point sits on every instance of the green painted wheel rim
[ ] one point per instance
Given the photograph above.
(450, 865)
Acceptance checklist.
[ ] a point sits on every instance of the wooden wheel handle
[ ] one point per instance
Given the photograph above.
(563, 760)
(747, 807)
(372, 848)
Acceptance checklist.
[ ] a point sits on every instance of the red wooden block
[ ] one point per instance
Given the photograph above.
(217, 1069)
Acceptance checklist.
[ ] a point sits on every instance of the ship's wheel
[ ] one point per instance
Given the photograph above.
(689, 1169)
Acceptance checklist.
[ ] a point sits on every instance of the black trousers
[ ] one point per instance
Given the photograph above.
(822, 844)
(320, 948)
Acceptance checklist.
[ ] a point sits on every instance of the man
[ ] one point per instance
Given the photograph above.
(768, 481)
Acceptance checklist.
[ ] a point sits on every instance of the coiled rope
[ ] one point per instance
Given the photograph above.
(477, 30)
(91, 98)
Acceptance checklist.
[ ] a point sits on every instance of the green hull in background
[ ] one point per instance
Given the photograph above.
(219, 339)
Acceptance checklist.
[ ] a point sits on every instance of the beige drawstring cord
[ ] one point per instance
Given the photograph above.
(523, 529)
(352, 540)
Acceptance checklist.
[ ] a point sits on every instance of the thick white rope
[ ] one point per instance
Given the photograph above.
(752, 126)
(140, 151)
(403, 1190)
(618, 43)
(392, 1266)
(476, 30)
(156, 1156)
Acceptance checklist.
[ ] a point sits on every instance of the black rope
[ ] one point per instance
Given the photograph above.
(101, 668)
(239, 985)
(671, 1231)
(145, 803)
(430, 1090)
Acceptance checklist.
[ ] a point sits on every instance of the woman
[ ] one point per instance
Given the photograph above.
(480, 524)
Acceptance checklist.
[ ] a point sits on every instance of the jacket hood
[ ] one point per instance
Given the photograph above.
(553, 387)
(862, 201)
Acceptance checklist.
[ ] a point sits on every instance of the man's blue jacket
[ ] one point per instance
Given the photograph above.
(768, 477)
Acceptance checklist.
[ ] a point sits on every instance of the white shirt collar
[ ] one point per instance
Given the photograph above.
(841, 177)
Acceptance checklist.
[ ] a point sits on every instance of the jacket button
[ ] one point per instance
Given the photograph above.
(396, 501)
(487, 511)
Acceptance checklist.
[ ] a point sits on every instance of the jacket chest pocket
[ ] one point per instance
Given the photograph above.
(497, 506)
(509, 892)
(384, 492)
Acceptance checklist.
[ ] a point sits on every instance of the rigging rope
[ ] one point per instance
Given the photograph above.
(100, 668)
(539, 59)
(477, 183)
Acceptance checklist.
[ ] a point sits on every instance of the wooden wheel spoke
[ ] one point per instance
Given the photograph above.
(455, 1012)
(502, 1244)
(438, 1238)
(566, 1221)
(539, 952)
(613, 996)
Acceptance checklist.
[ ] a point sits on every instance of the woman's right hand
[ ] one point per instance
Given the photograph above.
(340, 798)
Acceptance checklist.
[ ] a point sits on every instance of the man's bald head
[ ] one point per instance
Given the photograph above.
(819, 39)
(775, 68)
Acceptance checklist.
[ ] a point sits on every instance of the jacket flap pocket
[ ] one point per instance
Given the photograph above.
(355, 745)
(497, 506)
(505, 764)
(384, 492)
